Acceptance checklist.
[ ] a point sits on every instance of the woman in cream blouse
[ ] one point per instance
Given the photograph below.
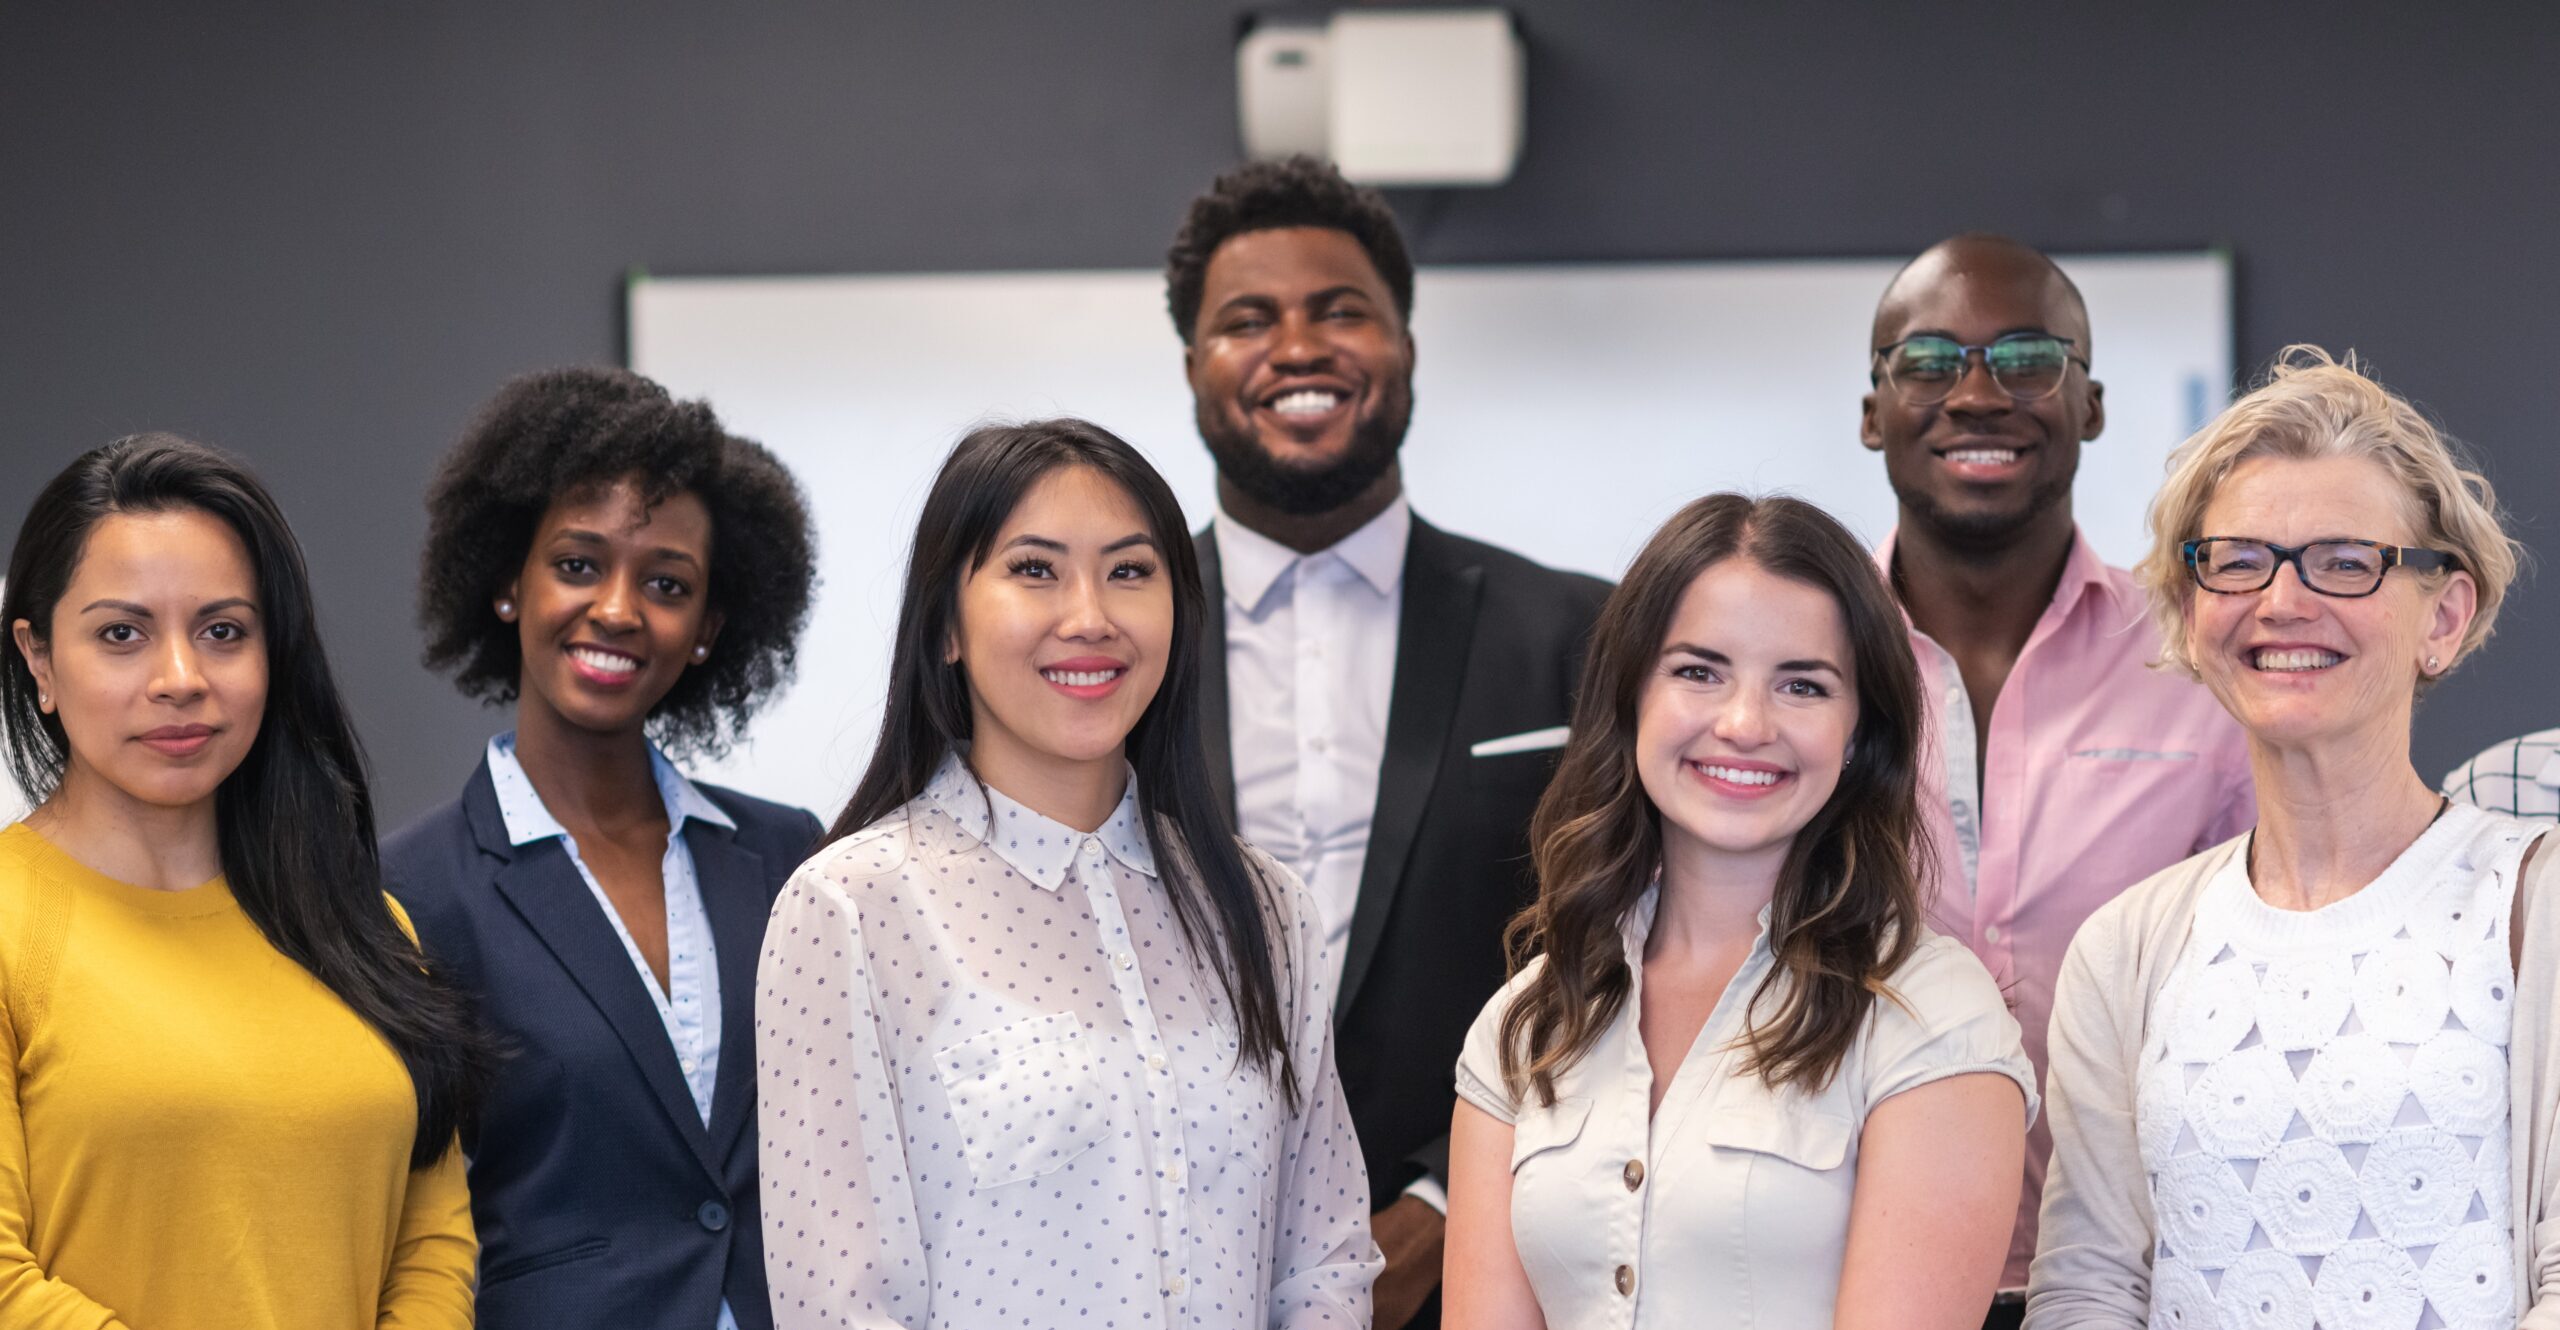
(1040, 1043)
(1740, 1085)
(2282, 1082)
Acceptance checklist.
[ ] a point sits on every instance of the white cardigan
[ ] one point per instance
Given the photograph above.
(2093, 1254)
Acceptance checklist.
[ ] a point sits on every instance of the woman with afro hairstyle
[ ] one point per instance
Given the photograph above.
(631, 577)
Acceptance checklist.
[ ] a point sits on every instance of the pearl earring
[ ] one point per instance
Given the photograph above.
(2431, 664)
(44, 699)
(701, 654)
(506, 609)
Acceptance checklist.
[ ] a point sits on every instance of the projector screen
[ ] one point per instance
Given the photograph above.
(1560, 411)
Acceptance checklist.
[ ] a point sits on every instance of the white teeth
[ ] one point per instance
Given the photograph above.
(604, 662)
(1738, 776)
(1306, 402)
(2300, 658)
(1985, 456)
(1079, 678)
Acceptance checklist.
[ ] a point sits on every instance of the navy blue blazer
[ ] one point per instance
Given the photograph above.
(599, 1197)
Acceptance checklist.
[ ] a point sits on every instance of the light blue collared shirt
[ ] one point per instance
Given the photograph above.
(689, 1006)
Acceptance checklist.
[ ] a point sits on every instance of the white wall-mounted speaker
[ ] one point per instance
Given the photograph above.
(1284, 91)
(1391, 96)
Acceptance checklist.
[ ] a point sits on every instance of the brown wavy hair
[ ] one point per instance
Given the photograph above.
(1847, 911)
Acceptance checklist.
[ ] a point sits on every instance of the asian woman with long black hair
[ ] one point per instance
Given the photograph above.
(1041, 1042)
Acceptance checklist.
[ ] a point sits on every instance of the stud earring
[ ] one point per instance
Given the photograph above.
(506, 609)
(701, 654)
(44, 700)
(2431, 664)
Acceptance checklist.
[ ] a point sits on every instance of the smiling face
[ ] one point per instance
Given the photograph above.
(1745, 719)
(1063, 632)
(2307, 672)
(610, 607)
(156, 660)
(1301, 370)
(1980, 467)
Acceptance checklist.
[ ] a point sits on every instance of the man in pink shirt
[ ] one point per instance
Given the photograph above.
(2063, 768)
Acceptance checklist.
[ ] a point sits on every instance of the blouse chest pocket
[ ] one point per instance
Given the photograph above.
(1026, 1097)
(1808, 1133)
(1547, 1130)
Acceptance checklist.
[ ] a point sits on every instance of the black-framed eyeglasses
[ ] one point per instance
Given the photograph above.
(1926, 368)
(2231, 566)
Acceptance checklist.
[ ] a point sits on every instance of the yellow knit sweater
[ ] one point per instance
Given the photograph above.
(195, 1134)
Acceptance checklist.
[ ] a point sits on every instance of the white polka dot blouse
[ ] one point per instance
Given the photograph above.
(998, 1088)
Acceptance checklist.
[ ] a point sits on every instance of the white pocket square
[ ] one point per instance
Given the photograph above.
(1527, 741)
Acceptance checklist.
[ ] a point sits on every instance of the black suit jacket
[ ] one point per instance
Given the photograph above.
(600, 1198)
(1488, 644)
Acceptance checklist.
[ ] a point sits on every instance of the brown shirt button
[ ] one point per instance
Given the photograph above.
(1626, 1281)
(1634, 1174)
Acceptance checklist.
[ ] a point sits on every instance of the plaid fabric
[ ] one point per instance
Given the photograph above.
(2519, 777)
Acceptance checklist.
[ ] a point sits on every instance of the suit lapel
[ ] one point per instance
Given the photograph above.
(734, 897)
(1217, 735)
(545, 890)
(1434, 630)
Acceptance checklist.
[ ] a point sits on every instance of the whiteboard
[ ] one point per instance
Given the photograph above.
(1561, 410)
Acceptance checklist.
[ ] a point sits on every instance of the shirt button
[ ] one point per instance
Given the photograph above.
(1633, 1173)
(1173, 1173)
(1991, 932)
(1124, 960)
(1626, 1281)
(1155, 1061)
(1180, 1286)
(1318, 744)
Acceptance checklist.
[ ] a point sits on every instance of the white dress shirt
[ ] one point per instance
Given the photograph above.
(689, 1005)
(1728, 1208)
(999, 1088)
(1311, 661)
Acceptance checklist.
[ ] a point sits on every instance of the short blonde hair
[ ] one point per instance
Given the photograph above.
(2313, 405)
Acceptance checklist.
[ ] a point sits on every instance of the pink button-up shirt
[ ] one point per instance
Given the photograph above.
(2097, 772)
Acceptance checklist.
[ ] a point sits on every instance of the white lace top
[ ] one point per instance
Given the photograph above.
(2323, 1099)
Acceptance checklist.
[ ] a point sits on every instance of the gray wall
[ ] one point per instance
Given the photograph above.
(322, 233)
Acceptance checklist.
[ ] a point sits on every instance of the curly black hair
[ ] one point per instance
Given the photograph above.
(1263, 196)
(565, 433)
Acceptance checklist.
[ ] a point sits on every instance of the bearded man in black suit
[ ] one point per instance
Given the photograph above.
(1393, 695)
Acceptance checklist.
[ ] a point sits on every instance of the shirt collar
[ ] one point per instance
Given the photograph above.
(2083, 573)
(1250, 563)
(1040, 848)
(528, 819)
(2549, 777)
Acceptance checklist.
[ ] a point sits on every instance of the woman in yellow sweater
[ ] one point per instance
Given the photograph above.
(228, 1086)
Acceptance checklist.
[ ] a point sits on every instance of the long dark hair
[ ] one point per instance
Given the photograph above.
(1214, 891)
(296, 816)
(1847, 909)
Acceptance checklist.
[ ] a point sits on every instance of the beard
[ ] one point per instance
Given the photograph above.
(1980, 528)
(1302, 490)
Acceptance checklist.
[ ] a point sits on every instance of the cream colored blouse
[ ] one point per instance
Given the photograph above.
(1729, 1210)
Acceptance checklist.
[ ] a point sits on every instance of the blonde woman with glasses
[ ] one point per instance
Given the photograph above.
(2306, 1078)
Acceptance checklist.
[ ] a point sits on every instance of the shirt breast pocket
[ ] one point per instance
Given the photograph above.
(2153, 782)
(1027, 1097)
(1548, 1131)
(1781, 1128)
